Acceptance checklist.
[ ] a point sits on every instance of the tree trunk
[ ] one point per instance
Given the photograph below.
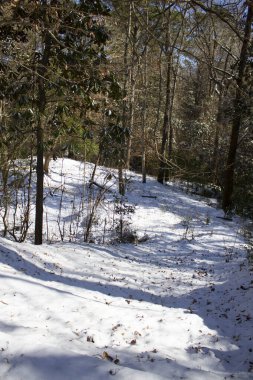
(144, 116)
(158, 109)
(39, 184)
(132, 96)
(125, 100)
(121, 179)
(171, 129)
(165, 131)
(42, 70)
(237, 118)
(48, 157)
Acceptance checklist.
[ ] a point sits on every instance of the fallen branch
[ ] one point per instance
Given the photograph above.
(96, 184)
(225, 218)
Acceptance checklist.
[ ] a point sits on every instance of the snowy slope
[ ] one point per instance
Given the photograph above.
(177, 306)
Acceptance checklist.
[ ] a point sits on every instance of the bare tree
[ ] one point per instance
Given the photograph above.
(238, 115)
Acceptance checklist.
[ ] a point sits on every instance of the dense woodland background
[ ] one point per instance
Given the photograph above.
(162, 87)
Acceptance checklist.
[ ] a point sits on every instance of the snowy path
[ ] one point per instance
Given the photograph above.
(178, 306)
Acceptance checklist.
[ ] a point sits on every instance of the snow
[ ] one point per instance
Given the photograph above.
(176, 306)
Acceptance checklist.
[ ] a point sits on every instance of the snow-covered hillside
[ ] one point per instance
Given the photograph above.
(174, 304)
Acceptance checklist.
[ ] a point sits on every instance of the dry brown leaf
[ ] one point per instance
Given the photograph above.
(106, 356)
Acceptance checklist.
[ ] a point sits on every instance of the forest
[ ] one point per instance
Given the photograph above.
(160, 87)
(126, 189)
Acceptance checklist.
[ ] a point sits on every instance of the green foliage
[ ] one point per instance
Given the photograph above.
(113, 139)
(74, 76)
(87, 83)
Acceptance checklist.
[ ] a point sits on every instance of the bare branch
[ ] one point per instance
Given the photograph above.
(219, 15)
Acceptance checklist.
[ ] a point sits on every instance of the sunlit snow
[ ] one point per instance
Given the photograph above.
(177, 305)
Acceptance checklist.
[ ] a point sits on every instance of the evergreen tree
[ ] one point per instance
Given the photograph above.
(64, 44)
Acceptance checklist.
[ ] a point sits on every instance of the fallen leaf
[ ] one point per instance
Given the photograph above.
(106, 356)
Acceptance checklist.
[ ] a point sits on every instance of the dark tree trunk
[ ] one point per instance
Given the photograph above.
(121, 179)
(237, 119)
(42, 70)
(39, 185)
(132, 95)
(125, 116)
(158, 112)
(144, 116)
(165, 131)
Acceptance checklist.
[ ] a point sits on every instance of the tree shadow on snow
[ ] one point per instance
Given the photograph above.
(218, 305)
(65, 366)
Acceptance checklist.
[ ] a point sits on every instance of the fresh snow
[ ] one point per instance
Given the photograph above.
(176, 306)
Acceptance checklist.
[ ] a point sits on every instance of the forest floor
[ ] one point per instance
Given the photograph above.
(174, 304)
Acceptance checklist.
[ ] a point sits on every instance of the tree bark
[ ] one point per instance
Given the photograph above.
(144, 116)
(237, 118)
(42, 70)
(123, 153)
(39, 184)
(165, 131)
(132, 95)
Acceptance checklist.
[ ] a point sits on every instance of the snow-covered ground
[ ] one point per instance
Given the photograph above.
(175, 306)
